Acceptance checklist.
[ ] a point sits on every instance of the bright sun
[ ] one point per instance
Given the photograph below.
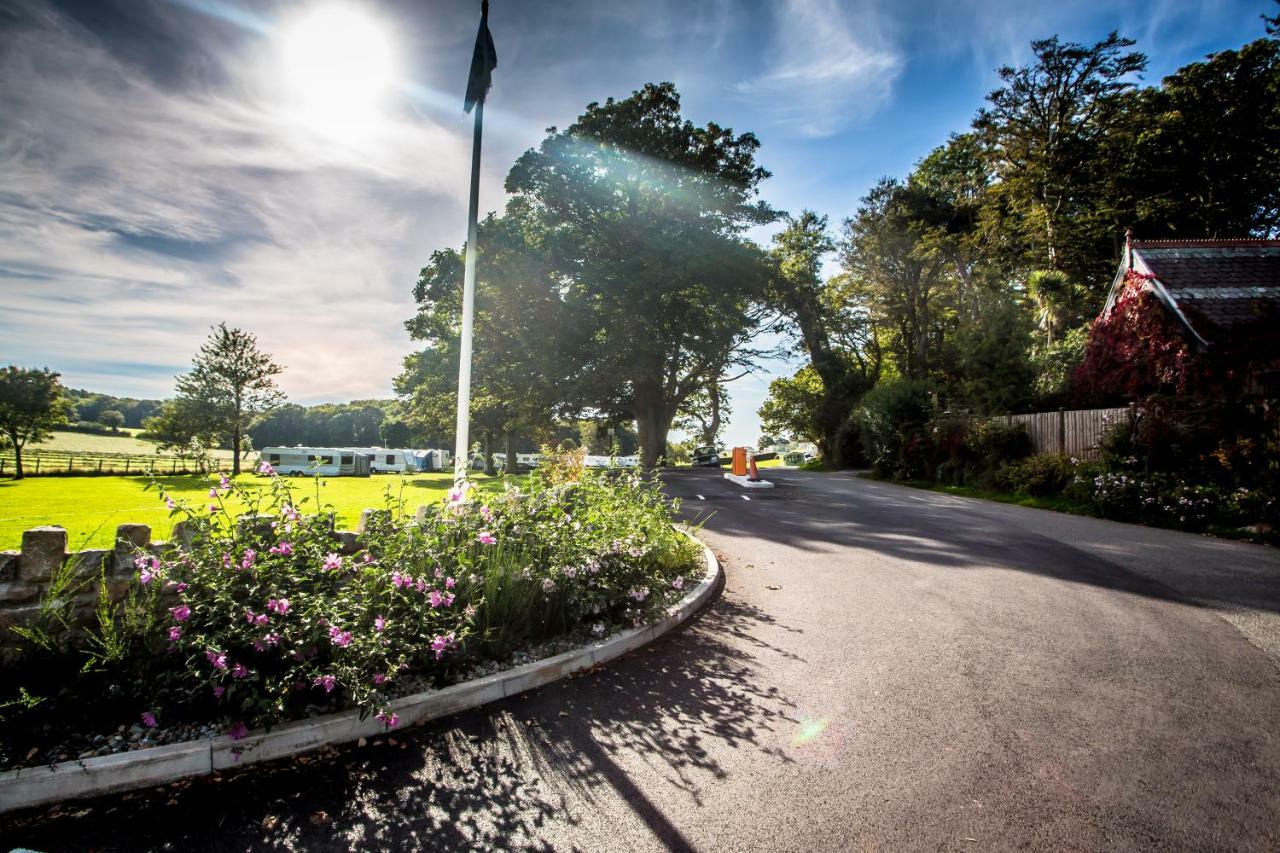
(338, 65)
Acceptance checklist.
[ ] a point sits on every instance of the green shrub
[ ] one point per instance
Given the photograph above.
(264, 617)
(894, 427)
(1038, 476)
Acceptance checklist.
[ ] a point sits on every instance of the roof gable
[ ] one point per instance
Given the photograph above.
(1218, 289)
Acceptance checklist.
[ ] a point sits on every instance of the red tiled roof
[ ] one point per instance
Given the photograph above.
(1220, 286)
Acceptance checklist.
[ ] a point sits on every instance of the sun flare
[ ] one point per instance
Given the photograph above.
(338, 65)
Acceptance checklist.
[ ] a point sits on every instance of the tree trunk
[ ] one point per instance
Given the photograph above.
(17, 458)
(487, 450)
(512, 467)
(235, 440)
(653, 423)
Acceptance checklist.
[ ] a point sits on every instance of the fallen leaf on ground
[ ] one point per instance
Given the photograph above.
(320, 818)
(773, 587)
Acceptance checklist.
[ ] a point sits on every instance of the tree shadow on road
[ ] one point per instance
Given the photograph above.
(553, 768)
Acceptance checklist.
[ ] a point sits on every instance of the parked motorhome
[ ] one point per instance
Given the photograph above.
(309, 461)
(523, 460)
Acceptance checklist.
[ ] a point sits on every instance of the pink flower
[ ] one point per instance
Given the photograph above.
(448, 599)
(213, 507)
(332, 562)
(548, 586)
(213, 493)
(399, 581)
(248, 616)
(339, 637)
(170, 504)
(261, 619)
(638, 593)
(420, 585)
(218, 690)
(326, 681)
(435, 598)
(238, 731)
(239, 671)
(379, 679)
(391, 720)
(265, 468)
(149, 720)
(218, 659)
(272, 639)
(175, 634)
(223, 482)
(486, 538)
(146, 576)
(379, 623)
(278, 605)
(678, 583)
(368, 556)
(284, 549)
(226, 561)
(458, 493)
(181, 613)
(486, 513)
(250, 556)
(469, 610)
(440, 643)
(450, 583)
(289, 513)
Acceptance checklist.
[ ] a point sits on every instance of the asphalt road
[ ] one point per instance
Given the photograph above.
(886, 669)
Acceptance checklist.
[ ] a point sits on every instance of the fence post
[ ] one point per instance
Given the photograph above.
(70, 461)
(1062, 432)
(175, 465)
(99, 465)
(126, 465)
(1, 467)
(37, 464)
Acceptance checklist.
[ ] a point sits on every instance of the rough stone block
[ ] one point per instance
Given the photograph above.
(16, 592)
(43, 550)
(89, 564)
(20, 615)
(128, 538)
(347, 543)
(8, 566)
(255, 527)
(184, 534)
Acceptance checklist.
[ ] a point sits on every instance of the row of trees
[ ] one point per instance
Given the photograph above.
(979, 272)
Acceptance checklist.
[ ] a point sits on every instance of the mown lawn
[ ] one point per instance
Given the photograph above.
(91, 507)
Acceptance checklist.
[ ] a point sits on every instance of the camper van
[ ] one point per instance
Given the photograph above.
(309, 461)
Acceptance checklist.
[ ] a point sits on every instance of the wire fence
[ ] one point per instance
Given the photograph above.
(62, 463)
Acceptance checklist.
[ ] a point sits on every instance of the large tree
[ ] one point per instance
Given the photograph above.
(643, 214)
(1043, 131)
(31, 404)
(231, 381)
(519, 371)
(836, 332)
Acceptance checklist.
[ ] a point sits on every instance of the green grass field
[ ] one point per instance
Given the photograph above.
(91, 507)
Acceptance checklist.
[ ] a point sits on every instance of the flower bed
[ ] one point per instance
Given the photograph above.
(268, 618)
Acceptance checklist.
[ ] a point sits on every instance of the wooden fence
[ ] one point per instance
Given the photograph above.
(1070, 433)
(52, 463)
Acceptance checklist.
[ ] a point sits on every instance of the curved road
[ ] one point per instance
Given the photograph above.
(886, 669)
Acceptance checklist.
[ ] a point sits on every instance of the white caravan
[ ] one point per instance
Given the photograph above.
(432, 460)
(386, 460)
(309, 461)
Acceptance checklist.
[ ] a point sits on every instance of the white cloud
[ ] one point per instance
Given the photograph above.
(830, 65)
(134, 215)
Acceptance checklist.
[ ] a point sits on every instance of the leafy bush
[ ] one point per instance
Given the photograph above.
(849, 451)
(894, 421)
(1038, 476)
(270, 614)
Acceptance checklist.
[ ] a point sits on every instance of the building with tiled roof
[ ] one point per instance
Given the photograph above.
(1218, 290)
(1198, 317)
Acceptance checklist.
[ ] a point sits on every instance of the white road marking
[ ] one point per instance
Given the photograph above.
(701, 498)
(745, 498)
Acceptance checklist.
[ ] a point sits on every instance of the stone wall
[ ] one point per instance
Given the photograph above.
(25, 574)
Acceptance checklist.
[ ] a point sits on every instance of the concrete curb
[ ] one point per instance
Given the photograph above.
(35, 786)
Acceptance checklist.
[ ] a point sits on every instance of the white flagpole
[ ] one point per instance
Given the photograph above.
(462, 447)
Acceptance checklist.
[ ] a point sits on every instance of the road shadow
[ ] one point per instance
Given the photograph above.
(519, 774)
(830, 512)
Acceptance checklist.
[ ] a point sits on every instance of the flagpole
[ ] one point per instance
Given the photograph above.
(462, 447)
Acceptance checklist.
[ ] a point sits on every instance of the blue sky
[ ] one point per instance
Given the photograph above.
(158, 175)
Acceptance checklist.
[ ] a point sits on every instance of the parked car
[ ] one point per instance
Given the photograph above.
(706, 457)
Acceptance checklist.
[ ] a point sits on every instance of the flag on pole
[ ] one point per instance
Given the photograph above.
(483, 61)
